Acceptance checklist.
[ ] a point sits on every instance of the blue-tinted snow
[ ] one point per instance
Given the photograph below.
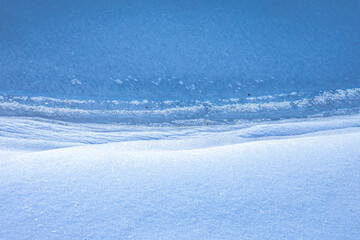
(190, 54)
(179, 119)
(294, 188)
(36, 134)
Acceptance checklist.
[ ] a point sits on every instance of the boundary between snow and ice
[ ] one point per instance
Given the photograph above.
(182, 113)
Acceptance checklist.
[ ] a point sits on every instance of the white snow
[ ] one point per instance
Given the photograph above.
(118, 81)
(283, 180)
(179, 119)
(76, 82)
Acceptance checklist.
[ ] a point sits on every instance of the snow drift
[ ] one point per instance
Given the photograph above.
(179, 119)
(292, 188)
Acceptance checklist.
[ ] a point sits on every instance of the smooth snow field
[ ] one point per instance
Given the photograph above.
(164, 119)
(279, 180)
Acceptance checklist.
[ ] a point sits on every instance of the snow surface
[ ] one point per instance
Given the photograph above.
(280, 180)
(179, 119)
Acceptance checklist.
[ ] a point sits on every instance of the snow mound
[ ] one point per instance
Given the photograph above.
(293, 188)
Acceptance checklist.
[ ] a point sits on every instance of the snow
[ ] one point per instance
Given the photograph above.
(164, 112)
(283, 180)
(29, 134)
(179, 119)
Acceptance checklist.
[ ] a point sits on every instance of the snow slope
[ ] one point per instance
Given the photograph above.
(286, 180)
(158, 119)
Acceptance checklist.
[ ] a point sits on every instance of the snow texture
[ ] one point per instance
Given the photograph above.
(291, 188)
(154, 119)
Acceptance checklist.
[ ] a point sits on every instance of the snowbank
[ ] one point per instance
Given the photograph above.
(304, 187)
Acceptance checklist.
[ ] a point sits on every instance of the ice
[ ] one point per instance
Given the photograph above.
(211, 47)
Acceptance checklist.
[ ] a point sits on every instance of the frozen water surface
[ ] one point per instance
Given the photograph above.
(254, 57)
(179, 119)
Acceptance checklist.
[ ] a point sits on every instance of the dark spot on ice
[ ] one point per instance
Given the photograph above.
(249, 94)
(146, 107)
